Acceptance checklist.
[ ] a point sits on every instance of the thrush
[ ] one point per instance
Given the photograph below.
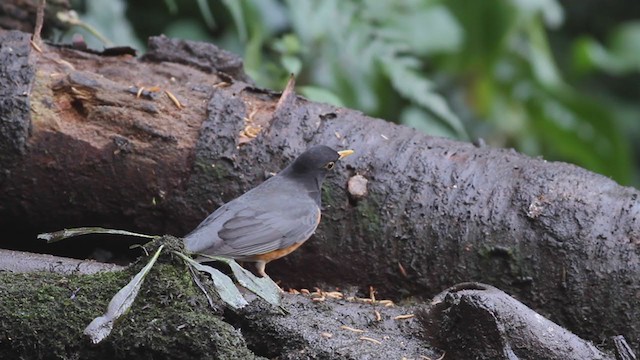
(274, 218)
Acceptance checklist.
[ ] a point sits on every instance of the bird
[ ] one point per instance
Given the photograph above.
(274, 218)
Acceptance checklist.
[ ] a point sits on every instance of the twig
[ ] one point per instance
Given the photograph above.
(39, 21)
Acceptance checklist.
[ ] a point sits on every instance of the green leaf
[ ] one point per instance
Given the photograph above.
(289, 44)
(187, 29)
(101, 326)
(235, 8)
(411, 84)
(486, 26)
(540, 57)
(550, 10)
(619, 58)
(206, 13)
(292, 64)
(625, 45)
(443, 34)
(172, 6)
(319, 94)
(588, 54)
(576, 128)
(419, 119)
(109, 19)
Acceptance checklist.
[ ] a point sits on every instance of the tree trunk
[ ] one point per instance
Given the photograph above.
(79, 147)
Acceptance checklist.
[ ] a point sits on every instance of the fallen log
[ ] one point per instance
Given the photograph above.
(152, 146)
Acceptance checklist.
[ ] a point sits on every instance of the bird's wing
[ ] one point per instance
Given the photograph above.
(242, 230)
(259, 231)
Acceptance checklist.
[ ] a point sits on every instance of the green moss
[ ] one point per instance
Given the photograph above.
(369, 216)
(503, 264)
(43, 315)
(327, 195)
(212, 170)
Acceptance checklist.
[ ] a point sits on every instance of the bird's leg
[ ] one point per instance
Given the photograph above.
(260, 264)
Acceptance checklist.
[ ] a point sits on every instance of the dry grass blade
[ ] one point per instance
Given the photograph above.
(225, 287)
(371, 340)
(345, 327)
(67, 233)
(404, 317)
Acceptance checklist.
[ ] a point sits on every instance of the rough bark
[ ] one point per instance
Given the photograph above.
(497, 326)
(79, 148)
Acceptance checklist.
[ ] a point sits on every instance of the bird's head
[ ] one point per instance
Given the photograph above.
(316, 162)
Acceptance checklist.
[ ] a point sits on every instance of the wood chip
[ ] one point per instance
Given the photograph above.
(357, 186)
(288, 94)
(174, 99)
(305, 291)
(370, 340)
(345, 327)
(404, 317)
(326, 335)
(249, 132)
(364, 300)
(251, 115)
(378, 316)
(334, 294)
(35, 46)
(402, 270)
(139, 92)
(64, 63)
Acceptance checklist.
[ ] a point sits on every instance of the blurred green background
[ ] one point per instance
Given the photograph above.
(548, 78)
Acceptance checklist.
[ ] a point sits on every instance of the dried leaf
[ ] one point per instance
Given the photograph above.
(67, 233)
(225, 287)
(101, 326)
(263, 287)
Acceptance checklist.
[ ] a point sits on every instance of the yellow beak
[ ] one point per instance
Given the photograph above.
(344, 153)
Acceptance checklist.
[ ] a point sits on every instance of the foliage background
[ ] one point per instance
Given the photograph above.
(549, 78)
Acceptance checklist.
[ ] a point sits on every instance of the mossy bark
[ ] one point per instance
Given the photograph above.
(44, 315)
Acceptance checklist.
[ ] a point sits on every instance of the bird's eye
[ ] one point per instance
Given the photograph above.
(330, 165)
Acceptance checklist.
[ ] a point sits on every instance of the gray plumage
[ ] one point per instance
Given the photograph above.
(279, 213)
